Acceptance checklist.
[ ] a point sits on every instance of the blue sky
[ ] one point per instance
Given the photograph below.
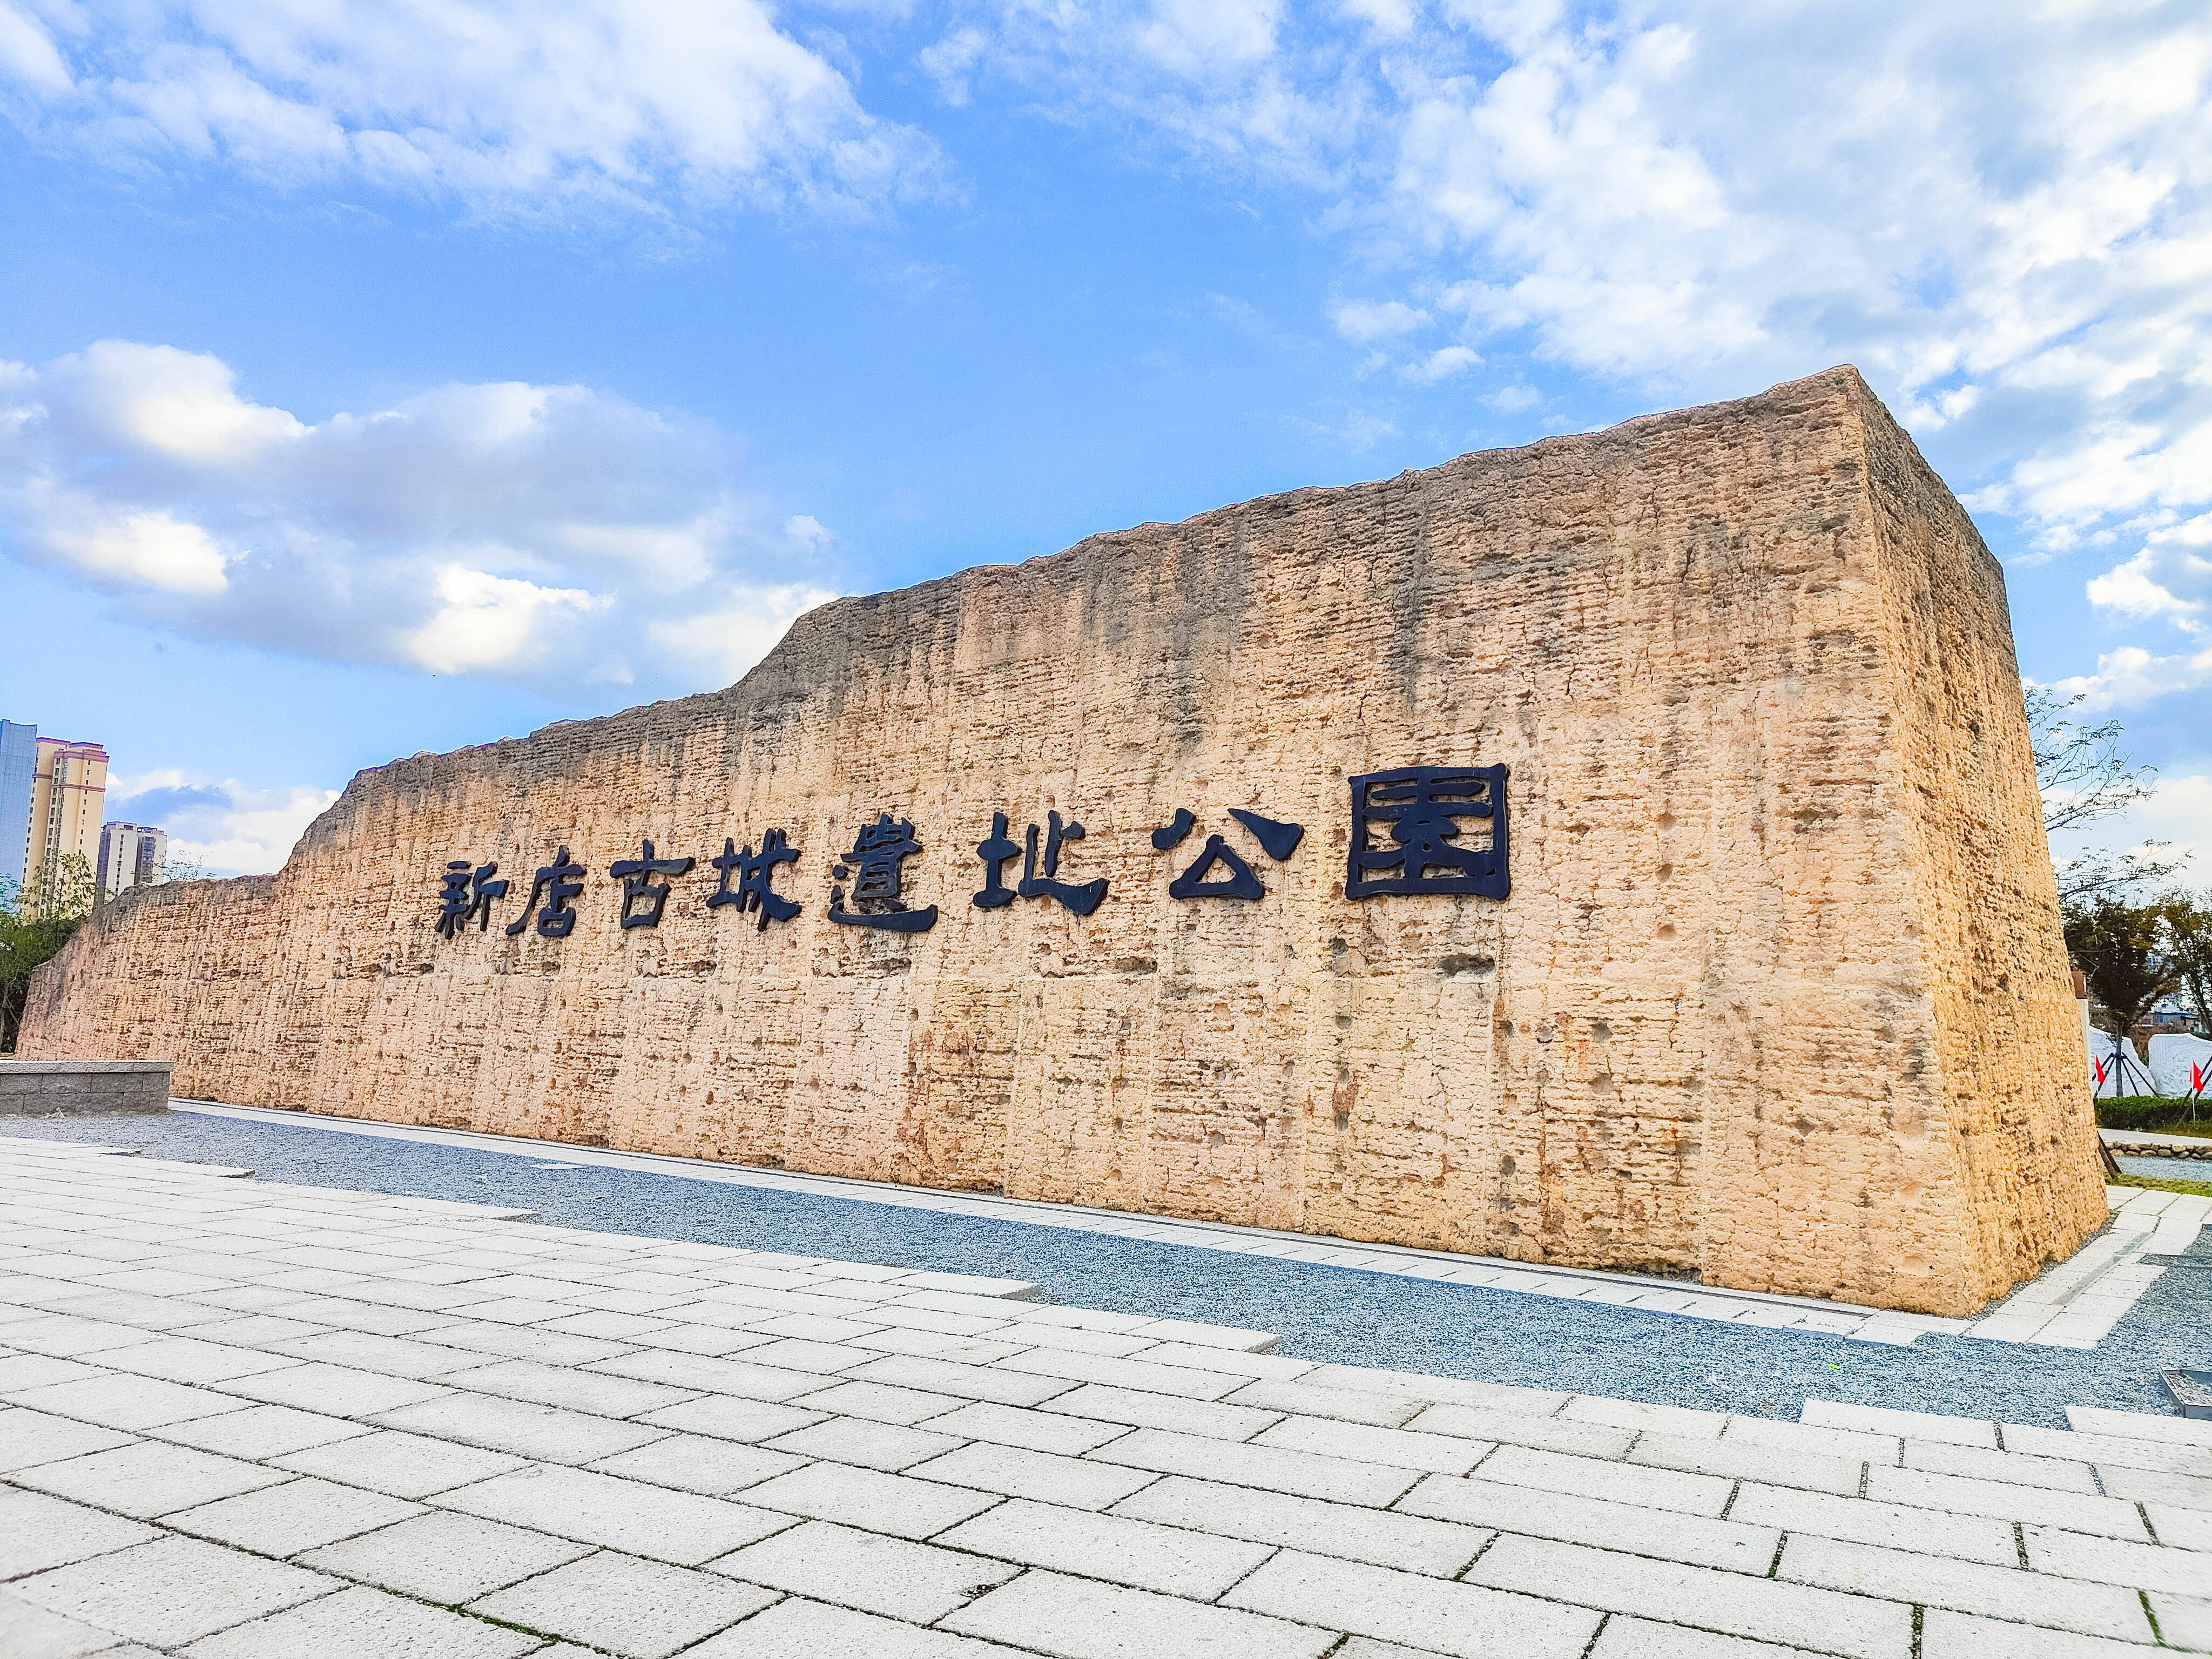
(381, 378)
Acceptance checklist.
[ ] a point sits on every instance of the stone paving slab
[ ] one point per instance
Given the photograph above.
(246, 1420)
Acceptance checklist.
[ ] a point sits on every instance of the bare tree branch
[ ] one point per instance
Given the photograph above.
(2080, 768)
(2084, 776)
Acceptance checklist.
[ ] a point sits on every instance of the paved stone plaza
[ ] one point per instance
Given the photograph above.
(246, 1420)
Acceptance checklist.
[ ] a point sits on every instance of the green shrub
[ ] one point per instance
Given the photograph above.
(26, 942)
(2131, 1111)
(2152, 1113)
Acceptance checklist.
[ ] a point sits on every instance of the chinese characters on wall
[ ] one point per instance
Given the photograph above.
(1416, 831)
(1410, 832)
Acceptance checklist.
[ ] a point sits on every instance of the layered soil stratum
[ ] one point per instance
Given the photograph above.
(1777, 999)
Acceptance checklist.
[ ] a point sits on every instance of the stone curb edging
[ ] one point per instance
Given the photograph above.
(2158, 1149)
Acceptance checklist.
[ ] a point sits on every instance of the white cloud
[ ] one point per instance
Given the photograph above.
(2171, 576)
(1391, 18)
(951, 61)
(1251, 85)
(27, 55)
(1716, 198)
(484, 621)
(1442, 365)
(182, 405)
(555, 536)
(1194, 38)
(2002, 214)
(724, 642)
(1361, 430)
(224, 827)
(147, 550)
(2177, 815)
(1362, 320)
(635, 103)
(2131, 677)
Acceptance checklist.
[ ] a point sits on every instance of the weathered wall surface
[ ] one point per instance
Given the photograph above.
(1779, 997)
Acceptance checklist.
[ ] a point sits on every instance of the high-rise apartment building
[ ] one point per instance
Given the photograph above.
(19, 764)
(131, 855)
(69, 788)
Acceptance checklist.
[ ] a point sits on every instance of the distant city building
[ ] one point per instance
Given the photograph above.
(19, 764)
(131, 855)
(69, 788)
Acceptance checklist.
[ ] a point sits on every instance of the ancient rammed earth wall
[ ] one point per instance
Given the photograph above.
(1779, 996)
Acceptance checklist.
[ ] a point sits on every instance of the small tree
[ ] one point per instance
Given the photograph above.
(26, 941)
(2120, 950)
(2188, 945)
(2083, 777)
(181, 866)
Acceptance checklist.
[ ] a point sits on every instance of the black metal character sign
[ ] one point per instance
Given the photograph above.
(1415, 830)
(643, 898)
(465, 895)
(1238, 879)
(1407, 834)
(753, 874)
(873, 868)
(1081, 898)
(560, 882)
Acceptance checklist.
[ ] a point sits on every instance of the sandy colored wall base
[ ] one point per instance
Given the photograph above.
(1778, 1000)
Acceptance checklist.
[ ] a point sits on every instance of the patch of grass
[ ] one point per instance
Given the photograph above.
(2158, 1184)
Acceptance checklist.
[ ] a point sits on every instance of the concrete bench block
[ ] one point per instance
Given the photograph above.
(83, 1088)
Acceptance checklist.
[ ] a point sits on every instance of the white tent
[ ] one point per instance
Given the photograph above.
(2181, 1065)
(2114, 1069)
